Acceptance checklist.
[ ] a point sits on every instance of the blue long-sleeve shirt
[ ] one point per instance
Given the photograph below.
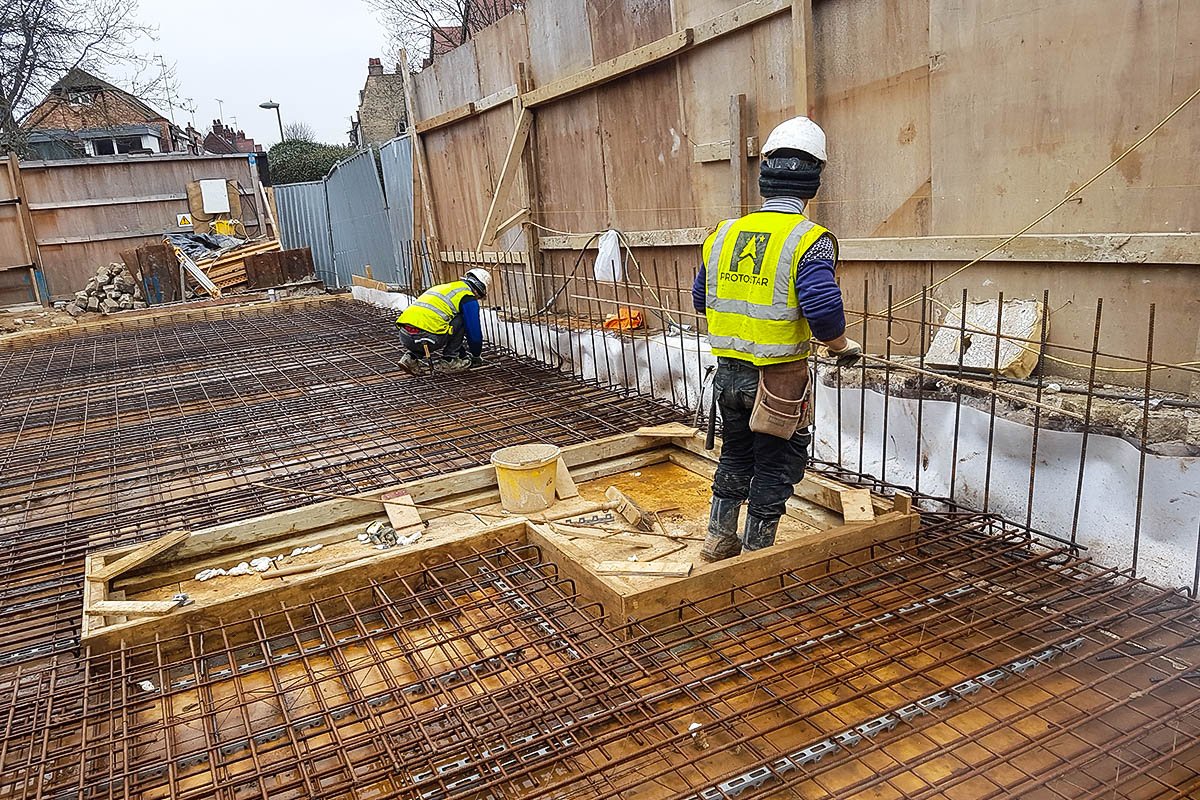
(817, 291)
(471, 325)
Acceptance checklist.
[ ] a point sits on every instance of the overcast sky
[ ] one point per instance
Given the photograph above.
(310, 56)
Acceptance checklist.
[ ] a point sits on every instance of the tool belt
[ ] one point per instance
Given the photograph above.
(783, 403)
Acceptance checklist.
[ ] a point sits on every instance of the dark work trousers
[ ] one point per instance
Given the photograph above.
(452, 344)
(757, 467)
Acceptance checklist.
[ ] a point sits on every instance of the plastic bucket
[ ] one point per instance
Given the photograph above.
(525, 474)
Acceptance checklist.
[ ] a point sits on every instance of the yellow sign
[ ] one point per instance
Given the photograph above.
(183, 220)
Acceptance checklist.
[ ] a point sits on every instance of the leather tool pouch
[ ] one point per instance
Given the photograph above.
(784, 400)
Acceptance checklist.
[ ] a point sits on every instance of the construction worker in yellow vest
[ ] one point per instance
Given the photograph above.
(442, 326)
(767, 288)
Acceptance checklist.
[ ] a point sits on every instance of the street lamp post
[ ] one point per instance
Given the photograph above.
(271, 104)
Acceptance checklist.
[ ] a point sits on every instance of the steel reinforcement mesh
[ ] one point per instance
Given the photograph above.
(129, 432)
(965, 661)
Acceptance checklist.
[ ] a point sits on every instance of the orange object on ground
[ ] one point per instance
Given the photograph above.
(624, 320)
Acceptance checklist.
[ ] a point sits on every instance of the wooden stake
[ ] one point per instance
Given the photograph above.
(802, 47)
(738, 168)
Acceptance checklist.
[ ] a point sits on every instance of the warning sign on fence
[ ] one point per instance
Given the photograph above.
(183, 220)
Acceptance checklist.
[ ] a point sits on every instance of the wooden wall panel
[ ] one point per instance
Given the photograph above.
(1031, 98)
(647, 160)
(872, 85)
(619, 26)
(560, 39)
(498, 50)
(79, 227)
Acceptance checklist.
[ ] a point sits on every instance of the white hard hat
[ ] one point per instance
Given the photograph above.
(482, 277)
(797, 133)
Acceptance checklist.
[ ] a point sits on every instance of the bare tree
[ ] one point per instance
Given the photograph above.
(416, 24)
(299, 132)
(42, 40)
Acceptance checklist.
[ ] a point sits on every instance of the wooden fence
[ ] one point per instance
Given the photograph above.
(951, 126)
(60, 220)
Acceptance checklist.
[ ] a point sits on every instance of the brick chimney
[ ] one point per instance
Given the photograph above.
(374, 66)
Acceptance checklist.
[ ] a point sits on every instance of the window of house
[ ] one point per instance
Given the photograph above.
(127, 144)
(104, 147)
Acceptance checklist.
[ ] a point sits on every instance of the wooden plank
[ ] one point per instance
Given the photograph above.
(401, 513)
(736, 19)
(719, 151)
(515, 219)
(496, 99)
(424, 185)
(446, 118)
(564, 485)
(613, 537)
(1105, 248)
(269, 596)
(708, 580)
(738, 168)
(803, 85)
(508, 174)
(672, 430)
(610, 70)
(140, 555)
(358, 280)
(857, 506)
(26, 228)
(649, 569)
(133, 608)
(455, 257)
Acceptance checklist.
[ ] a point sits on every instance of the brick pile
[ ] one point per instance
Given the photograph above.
(113, 288)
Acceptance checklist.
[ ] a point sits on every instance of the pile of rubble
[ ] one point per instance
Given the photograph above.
(112, 289)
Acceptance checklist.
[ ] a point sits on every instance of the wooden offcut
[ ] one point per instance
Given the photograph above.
(856, 505)
(564, 484)
(401, 511)
(131, 608)
(140, 555)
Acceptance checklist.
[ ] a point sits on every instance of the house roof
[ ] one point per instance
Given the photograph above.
(79, 80)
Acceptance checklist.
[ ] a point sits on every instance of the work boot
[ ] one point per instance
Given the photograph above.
(722, 540)
(759, 533)
(456, 364)
(410, 364)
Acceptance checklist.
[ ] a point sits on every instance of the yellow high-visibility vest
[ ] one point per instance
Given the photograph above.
(436, 308)
(750, 266)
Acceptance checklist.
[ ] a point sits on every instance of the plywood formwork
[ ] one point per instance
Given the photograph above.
(925, 151)
(655, 471)
(113, 435)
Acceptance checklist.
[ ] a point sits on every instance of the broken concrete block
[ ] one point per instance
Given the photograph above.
(1020, 338)
(93, 304)
(73, 309)
(139, 304)
(109, 306)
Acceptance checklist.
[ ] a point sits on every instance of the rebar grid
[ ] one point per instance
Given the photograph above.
(118, 437)
(964, 661)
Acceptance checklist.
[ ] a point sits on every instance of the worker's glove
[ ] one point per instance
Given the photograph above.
(476, 361)
(848, 356)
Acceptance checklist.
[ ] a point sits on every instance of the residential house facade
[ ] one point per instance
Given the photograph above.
(84, 115)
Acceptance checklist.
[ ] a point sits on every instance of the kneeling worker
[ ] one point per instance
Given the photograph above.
(767, 288)
(445, 318)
